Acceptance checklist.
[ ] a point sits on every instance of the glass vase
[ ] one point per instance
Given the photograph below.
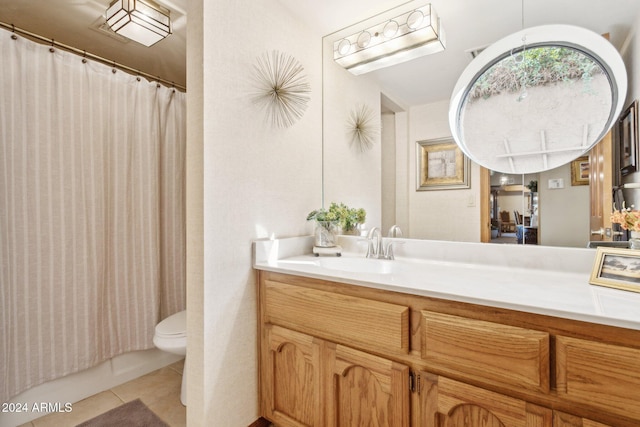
(634, 239)
(325, 234)
(353, 231)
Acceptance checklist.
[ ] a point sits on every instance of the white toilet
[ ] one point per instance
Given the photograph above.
(171, 336)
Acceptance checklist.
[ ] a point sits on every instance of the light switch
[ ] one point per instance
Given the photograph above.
(555, 184)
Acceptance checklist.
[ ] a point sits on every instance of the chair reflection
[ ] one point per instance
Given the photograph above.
(506, 225)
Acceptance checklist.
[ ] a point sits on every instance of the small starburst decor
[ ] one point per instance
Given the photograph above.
(282, 88)
(363, 128)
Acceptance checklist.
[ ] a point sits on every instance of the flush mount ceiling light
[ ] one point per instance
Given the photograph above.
(142, 21)
(407, 36)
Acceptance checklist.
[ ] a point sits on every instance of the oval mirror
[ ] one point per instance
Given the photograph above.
(537, 99)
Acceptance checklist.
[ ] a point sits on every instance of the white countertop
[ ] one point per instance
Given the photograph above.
(542, 280)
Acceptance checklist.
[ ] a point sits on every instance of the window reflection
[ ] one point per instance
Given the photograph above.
(536, 109)
(537, 99)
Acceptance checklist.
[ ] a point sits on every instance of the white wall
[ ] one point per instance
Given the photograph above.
(440, 214)
(240, 188)
(389, 173)
(351, 176)
(511, 201)
(564, 212)
(403, 190)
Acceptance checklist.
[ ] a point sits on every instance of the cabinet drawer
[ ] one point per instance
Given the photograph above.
(336, 317)
(602, 375)
(489, 351)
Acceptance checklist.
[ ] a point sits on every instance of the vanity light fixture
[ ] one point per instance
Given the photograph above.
(413, 34)
(142, 21)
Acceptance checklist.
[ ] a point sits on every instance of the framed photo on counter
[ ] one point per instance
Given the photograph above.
(617, 268)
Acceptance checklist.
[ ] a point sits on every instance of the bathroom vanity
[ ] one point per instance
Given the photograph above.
(448, 334)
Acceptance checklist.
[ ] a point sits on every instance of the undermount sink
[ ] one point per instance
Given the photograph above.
(357, 265)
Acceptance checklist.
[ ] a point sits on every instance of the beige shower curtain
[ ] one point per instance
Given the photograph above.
(92, 240)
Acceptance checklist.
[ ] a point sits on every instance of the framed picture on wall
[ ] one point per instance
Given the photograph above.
(617, 268)
(580, 171)
(441, 165)
(628, 139)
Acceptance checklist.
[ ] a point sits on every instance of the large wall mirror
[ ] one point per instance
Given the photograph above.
(552, 193)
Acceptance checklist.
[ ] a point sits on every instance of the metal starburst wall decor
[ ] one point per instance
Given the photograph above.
(282, 88)
(363, 127)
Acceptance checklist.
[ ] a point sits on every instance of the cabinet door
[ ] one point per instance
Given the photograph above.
(449, 403)
(365, 390)
(561, 419)
(291, 380)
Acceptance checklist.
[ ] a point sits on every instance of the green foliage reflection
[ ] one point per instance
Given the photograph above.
(535, 67)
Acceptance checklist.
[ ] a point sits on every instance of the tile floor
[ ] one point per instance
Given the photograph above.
(159, 390)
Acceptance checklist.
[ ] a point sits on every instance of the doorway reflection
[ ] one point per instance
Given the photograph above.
(514, 208)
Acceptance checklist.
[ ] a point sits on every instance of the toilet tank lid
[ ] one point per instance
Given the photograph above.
(176, 324)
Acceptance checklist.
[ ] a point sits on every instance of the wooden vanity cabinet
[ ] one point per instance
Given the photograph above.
(338, 355)
(311, 376)
(446, 403)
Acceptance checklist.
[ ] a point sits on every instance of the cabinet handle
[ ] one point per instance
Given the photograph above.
(414, 382)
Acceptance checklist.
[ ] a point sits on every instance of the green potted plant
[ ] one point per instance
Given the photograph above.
(338, 218)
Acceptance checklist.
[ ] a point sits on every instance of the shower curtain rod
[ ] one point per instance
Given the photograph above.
(86, 54)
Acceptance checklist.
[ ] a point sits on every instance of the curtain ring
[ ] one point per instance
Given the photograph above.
(53, 43)
(84, 57)
(113, 70)
(13, 30)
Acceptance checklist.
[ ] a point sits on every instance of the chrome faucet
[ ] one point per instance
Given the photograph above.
(374, 251)
(377, 249)
(395, 231)
(388, 253)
